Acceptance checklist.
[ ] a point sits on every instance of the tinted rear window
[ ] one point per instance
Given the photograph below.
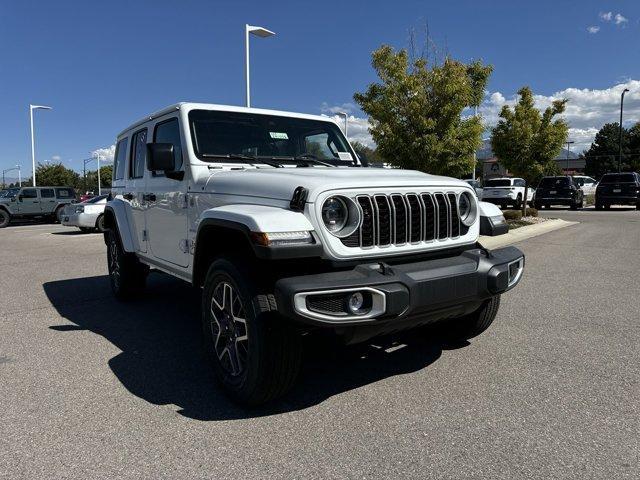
(549, 182)
(618, 178)
(497, 183)
(96, 199)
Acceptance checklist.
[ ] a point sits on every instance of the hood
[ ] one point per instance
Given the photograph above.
(279, 183)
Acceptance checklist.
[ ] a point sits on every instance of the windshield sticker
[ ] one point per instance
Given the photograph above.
(279, 135)
(345, 156)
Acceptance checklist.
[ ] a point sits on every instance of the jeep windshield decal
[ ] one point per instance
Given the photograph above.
(223, 136)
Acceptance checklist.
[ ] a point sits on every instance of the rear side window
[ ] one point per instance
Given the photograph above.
(519, 183)
(65, 193)
(47, 193)
(120, 159)
(29, 193)
(169, 132)
(138, 154)
(618, 178)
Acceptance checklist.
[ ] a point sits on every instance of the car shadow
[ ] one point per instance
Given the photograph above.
(162, 362)
(72, 232)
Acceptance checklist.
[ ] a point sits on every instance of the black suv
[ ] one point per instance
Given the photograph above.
(618, 189)
(562, 190)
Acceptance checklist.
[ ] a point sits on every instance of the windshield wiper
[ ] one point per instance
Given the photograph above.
(240, 156)
(310, 157)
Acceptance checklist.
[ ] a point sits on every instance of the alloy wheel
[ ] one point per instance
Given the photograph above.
(229, 329)
(114, 264)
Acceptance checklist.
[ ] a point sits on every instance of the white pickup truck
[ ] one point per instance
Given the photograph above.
(285, 231)
(506, 191)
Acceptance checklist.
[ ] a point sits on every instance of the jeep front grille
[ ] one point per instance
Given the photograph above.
(397, 219)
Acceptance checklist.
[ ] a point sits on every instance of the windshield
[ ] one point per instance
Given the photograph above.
(550, 182)
(497, 183)
(11, 192)
(218, 134)
(618, 178)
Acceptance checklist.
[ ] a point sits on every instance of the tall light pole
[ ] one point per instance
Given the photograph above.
(473, 173)
(33, 148)
(17, 167)
(346, 122)
(569, 142)
(620, 131)
(258, 32)
(99, 185)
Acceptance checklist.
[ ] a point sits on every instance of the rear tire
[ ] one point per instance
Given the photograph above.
(57, 216)
(5, 218)
(126, 274)
(100, 224)
(255, 356)
(475, 323)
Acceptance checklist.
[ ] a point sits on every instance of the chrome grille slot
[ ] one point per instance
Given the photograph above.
(398, 219)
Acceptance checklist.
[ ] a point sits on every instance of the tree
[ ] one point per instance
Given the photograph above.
(91, 183)
(416, 111)
(602, 156)
(55, 174)
(526, 141)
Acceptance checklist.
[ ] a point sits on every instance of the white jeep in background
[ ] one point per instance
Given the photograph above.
(274, 217)
(506, 192)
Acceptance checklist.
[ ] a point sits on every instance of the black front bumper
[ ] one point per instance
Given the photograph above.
(414, 293)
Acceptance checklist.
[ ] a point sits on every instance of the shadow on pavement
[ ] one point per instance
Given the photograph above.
(162, 362)
(73, 232)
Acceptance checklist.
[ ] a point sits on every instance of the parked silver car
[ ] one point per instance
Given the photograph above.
(87, 216)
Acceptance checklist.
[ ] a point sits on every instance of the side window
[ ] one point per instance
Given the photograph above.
(29, 193)
(47, 193)
(65, 193)
(519, 183)
(138, 154)
(120, 159)
(169, 132)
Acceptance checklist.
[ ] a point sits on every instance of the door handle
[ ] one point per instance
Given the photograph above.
(128, 196)
(149, 197)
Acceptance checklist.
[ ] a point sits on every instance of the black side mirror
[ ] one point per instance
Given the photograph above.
(160, 157)
(20, 197)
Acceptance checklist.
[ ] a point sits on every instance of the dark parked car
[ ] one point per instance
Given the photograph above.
(618, 189)
(562, 190)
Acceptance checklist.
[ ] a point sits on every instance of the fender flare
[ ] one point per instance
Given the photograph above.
(116, 215)
(492, 221)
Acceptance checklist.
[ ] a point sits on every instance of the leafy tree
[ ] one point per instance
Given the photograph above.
(416, 111)
(91, 183)
(55, 174)
(527, 141)
(602, 156)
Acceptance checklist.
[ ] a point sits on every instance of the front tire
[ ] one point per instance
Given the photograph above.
(126, 274)
(475, 323)
(255, 356)
(57, 216)
(100, 224)
(5, 218)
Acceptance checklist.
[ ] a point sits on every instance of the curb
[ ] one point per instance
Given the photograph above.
(523, 233)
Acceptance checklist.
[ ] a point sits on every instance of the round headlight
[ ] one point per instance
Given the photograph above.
(467, 209)
(335, 214)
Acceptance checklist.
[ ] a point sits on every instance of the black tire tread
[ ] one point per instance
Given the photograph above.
(5, 218)
(133, 274)
(477, 322)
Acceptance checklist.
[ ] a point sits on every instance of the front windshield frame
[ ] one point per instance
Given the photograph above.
(291, 152)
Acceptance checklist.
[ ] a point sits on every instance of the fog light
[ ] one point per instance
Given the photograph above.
(356, 302)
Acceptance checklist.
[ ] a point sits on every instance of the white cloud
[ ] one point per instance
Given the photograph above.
(105, 154)
(593, 29)
(55, 158)
(620, 20)
(587, 109)
(605, 16)
(357, 127)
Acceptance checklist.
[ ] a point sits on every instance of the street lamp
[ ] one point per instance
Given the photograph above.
(33, 148)
(569, 142)
(258, 32)
(99, 185)
(17, 167)
(346, 122)
(620, 131)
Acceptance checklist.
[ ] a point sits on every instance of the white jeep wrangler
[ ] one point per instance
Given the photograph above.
(274, 217)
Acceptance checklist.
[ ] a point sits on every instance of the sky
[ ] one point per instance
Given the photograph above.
(104, 65)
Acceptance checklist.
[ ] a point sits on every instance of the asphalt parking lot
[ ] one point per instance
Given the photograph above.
(93, 388)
